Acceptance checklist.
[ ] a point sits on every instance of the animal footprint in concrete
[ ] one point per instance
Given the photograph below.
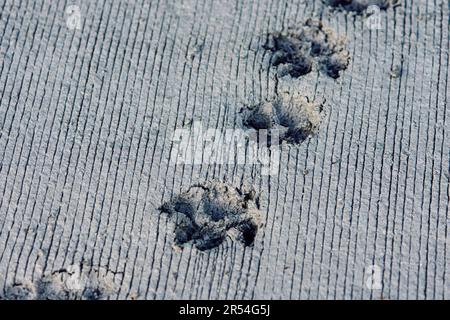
(292, 118)
(207, 213)
(359, 6)
(297, 51)
(72, 282)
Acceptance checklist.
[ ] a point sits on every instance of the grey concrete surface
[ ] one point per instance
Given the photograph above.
(89, 107)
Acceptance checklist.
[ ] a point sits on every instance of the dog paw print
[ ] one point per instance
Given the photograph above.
(207, 213)
(292, 118)
(298, 51)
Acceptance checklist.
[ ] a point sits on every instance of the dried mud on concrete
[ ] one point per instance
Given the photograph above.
(92, 206)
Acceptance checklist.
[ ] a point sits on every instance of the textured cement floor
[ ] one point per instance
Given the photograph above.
(88, 110)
